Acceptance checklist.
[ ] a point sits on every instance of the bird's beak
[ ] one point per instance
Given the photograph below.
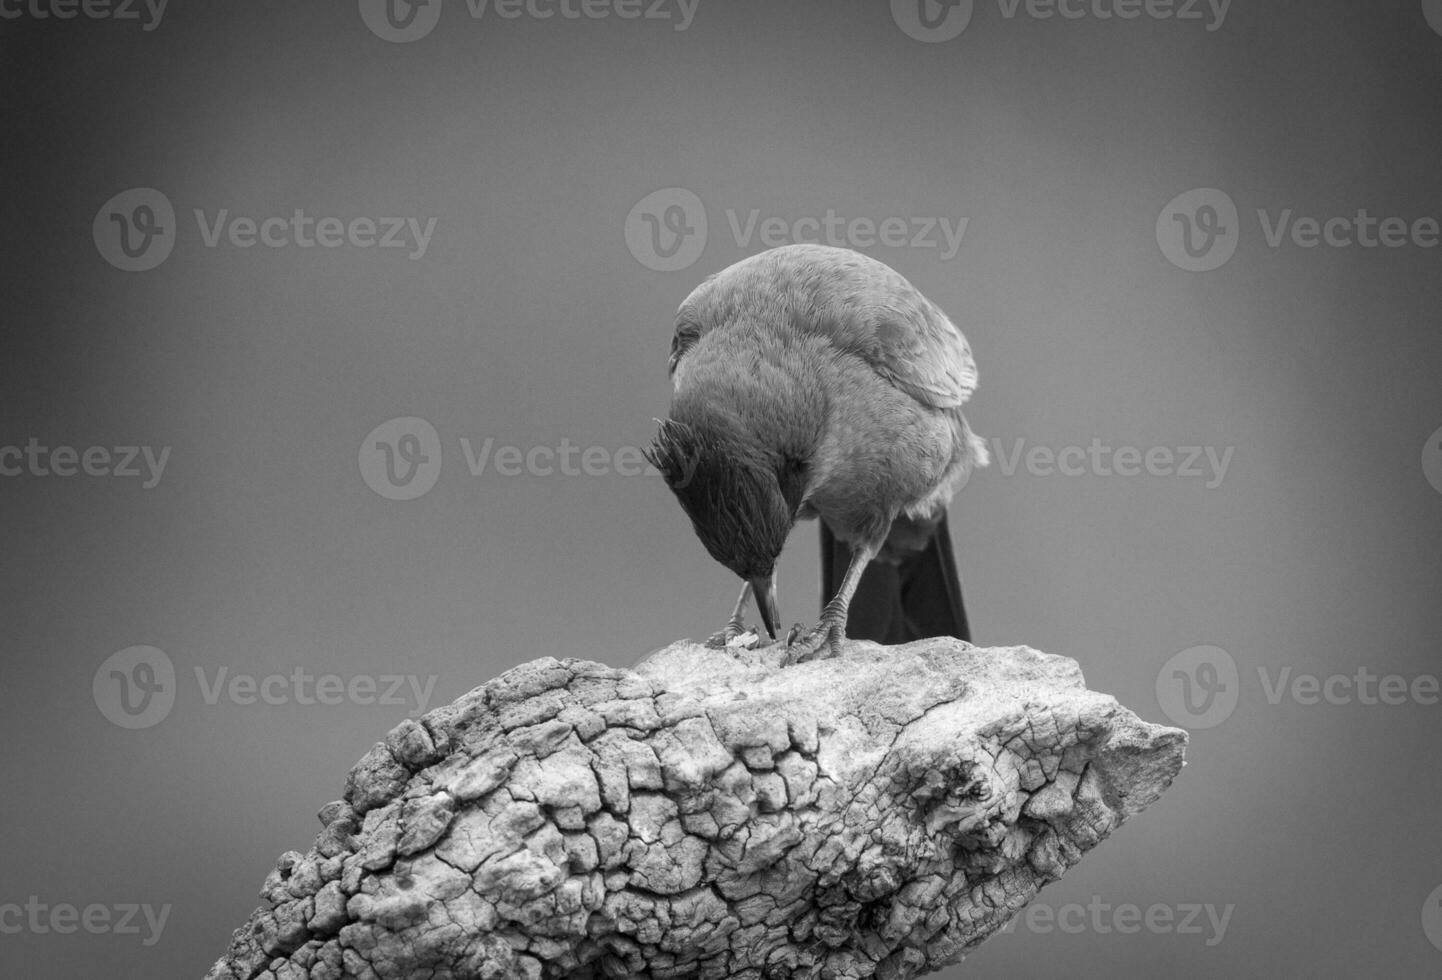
(763, 587)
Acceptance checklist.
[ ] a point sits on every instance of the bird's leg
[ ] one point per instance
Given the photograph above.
(736, 625)
(830, 633)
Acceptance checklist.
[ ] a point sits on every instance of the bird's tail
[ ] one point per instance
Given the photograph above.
(911, 592)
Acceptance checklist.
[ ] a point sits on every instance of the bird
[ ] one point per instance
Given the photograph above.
(812, 381)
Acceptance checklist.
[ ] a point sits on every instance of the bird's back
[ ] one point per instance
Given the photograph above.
(848, 301)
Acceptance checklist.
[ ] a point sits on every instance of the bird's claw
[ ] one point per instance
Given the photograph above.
(821, 642)
(734, 635)
(798, 645)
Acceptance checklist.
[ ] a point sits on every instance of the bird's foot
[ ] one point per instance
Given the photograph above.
(820, 642)
(736, 634)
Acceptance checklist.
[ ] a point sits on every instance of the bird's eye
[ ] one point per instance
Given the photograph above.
(683, 340)
(791, 478)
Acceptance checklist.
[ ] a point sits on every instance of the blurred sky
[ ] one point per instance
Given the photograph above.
(537, 317)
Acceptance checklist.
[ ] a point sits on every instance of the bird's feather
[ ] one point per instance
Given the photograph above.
(859, 305)
(911, 592)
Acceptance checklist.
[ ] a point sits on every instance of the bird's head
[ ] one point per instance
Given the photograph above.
(742, 496)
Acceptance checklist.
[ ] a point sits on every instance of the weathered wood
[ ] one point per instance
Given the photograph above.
(710, 814)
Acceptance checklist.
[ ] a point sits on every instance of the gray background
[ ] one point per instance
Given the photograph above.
(530, 321)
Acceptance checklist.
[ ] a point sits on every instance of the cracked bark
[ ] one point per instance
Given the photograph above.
(708, 814)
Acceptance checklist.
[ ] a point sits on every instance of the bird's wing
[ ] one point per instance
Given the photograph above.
(860, 305)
